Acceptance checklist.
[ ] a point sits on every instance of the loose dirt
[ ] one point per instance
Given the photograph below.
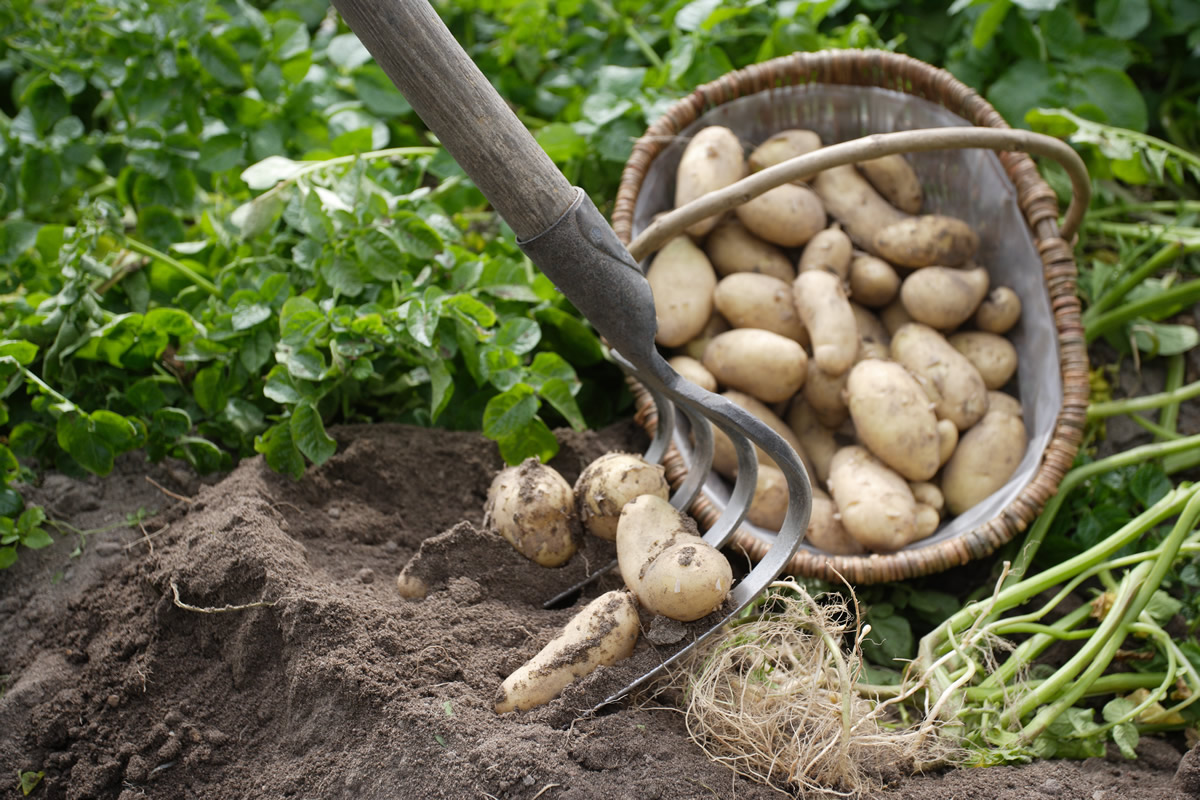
(247, 640)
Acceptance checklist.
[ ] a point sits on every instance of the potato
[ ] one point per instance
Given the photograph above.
(411, 586)
(947, 440)
(611, 481)
(825, 310)
(894, 316)
(712, 160)
(927, 240)
(665, 563)
(533, 507)
(852, 201)
(828, 250)
(825, 395)
(769, 366)
(732, 249)
(893, 419)
(724, 455)
(694, 371)
(872, 281)
(825, 531)
(602, 634)
(759, 301)
(781, 147)
(999, 311)
(716, 324)
(817, 440)
(991, 354)
(875, 504)
(682, 282)
(929, 494)
(986, 457)
(871, 333)
(952, 383)
(943, 297)
(999, 401)
(770, 503)
(788, 215)
(894, 178)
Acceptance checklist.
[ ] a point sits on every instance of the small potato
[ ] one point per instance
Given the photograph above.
(893, 419)
(876, 506)
(825, 531)
(770, 503)
(602, 634)
(695, 348)
(986, 457)
(927, 240)
(943, 297)
(759, 301)
(871, 332)
(894, 316)
(817, 440)
(825, 394)
(788, 215)
(873, 281)
(682, 282)
(999, 311)
(712, 160)
(694, 371)
(533, 507)
(724, 455)
(1006, 403)
(781, 147)
(929, 494)
(733, 249)
(926, 519)
(665, 563)
(992, 354)
(611, 481)
(825, 309)
(761, 363)
(852, 200)
(947, 440)
(894, 178)
(951, 382)
(828, 250)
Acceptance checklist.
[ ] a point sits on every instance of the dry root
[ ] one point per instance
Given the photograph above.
(774, 699)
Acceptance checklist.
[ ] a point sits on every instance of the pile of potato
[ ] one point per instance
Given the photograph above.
(858, 328)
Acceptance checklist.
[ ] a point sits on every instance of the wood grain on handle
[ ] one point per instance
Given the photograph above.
(455, 100)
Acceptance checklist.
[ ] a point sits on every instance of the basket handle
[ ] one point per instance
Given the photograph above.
(673, 223)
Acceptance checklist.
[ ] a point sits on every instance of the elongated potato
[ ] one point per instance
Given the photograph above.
(825, 309)
(999, 311)
(602, 634)
(875, 504)
(759, 301)
(986, 457)
(761, 363)
(894, 178)
(943, 297)
(695, 348)
(533, 507)
(927, 240)
(781, 147)
(852, 200)
(694, 371)
(825, 531)
(873, 281)
(991, 354)
(893, 419)
(712, 160)
(733, 249)
(952, 383)
(817, 440)
(682, 282)
(829, 250)
(611, 481)
(788, 215)
(665, 563)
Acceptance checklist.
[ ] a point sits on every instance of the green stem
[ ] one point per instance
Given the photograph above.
(1117, 683)
(1168, 253)
(632, 32)
(1168, 418)
(1184, 294)
(1144, 230)
(370, 155)
(1160, 433)
(1144, 402)
(1031, 648)
(1174, 207)
(174, 263)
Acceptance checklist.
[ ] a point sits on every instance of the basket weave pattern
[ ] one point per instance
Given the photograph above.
(1038, 204)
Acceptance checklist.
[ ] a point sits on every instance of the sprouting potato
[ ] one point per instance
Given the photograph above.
(733, 249)
(533, 508)
(712, 160)
(611, 481)
(682, 282)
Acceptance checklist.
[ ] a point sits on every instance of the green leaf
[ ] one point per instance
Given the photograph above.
(692, 16)
(91, 451)
(561, 142)
(442, 384)
(1164, 339)
(280, 451)
(890, 639)
(510, 412)
(557, 392)
(247, 315)
(11, 501)
(203, 455)
(221, 61)
(1126, 737)
(221, 152)
(306, 364)
(1162, 607)
(279, 387)
(171, 422)
(36, 538)
(270, 171)
(378, 93)
(471, 310)
(1116, 94)
(519, 335)
(256, 350)
(533, 440)
(24, 352)
(308, 432)
(989, 22)
(8, 557)
(1149, 484)
(422, 321)
(1123, 19)
(380, 254)
(116, 430)
(209, 389)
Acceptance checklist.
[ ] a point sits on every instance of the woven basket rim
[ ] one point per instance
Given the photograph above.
(1039, 206)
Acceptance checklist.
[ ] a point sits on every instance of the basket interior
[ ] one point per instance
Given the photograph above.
(969, 184)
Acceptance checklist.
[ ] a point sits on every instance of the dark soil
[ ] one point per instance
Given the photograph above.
(249, 642)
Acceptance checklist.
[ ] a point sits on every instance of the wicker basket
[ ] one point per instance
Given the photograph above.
(792, 80)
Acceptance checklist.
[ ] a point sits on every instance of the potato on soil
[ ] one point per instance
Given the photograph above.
(852, 200)
(825, 531)
(781, 147)
(748, 300)
(825, 309)
(712, 160)
(991, 354)
(788, 215)
(682, 281)
(894, 178)
(716, 324)
(999, 311)
(829, 250)
(927, 240)
(893, 419)
(602, 634)
(694, 371)
(611, 481)
(943, 297)
(986, 457)
(733, 249)
(876, 506)
(951, 382)
(665, 563)
(873, 281)
(769, 366)
(533, 507)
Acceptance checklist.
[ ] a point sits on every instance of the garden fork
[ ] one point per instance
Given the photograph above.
(567, 237)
